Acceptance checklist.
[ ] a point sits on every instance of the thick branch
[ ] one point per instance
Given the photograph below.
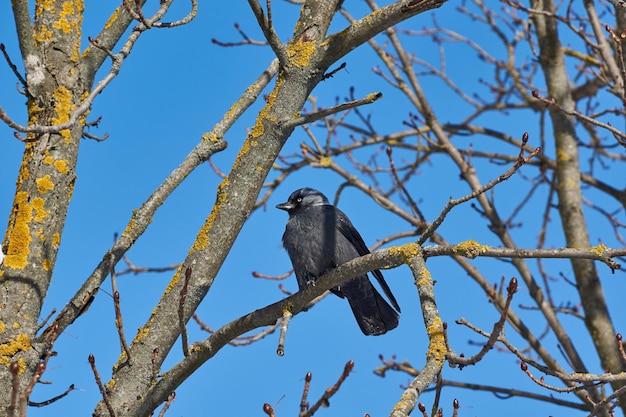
(371, 25)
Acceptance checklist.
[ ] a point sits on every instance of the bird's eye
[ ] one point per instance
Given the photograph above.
(299, 200)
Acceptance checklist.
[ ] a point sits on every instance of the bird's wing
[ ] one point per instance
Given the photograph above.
(346, 228)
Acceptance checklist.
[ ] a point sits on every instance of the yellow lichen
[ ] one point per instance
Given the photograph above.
(7, 350)
(407, 252)
(120, 360)
(562, 156)
(202, 240)
(259, 128)
(470, 249)
(63, 106)
(325, 161)
(71, 191)
(112, 19)
(47, 264)
(61, 166)
(44, 184)
(372, 97)
(425, 278)
(341, 34)
(42, 35)
(173, 281)
(56, 239)
(233, 109)
(300, 52)
(130, 226)
(18, 245)
(48, 159)
(437, 347)
(44, 5)
(16, 325)
(40, 212)
(599, 250)
(33, 111)
(24, 174)
(83, 119)
(63, 24)
(406, 401)
(70, 20)
(142, 332)
(571, 182)
(2, 326)
(210, 137)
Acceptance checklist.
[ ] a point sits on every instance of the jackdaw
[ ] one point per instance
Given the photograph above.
(320, 237)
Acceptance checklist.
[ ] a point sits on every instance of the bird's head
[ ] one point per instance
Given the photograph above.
(304, 197)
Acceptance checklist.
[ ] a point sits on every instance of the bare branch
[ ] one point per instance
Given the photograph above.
(181, 312)
(280, 351)
(103, 391)
(329, 392)
(310, 118)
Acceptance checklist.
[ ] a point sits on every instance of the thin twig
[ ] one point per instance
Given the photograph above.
(493, 337)
(304, 403)
(103, 391)
(190, 16)
(280, 351)
(15, 387)
(241, 340)
(329, 392)
(310, 118)
(521, 160)
(119, 322)
(617, 134)
(155, 364)
(170, 400)
(53, 399)
(12, 65)
(39, 370)
(414, 209)
(181, 312)
(269, 410)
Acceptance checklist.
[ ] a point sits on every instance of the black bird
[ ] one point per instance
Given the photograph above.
(320, 237)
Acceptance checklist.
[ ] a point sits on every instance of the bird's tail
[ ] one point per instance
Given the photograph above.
(373, 314)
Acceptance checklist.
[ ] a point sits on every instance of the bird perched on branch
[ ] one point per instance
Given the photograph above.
(320, 237)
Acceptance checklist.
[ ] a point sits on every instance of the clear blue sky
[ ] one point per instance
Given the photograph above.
(175, 86)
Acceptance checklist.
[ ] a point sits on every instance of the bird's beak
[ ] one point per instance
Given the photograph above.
(285, 206)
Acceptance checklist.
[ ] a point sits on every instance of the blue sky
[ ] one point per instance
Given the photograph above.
(175, 85)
